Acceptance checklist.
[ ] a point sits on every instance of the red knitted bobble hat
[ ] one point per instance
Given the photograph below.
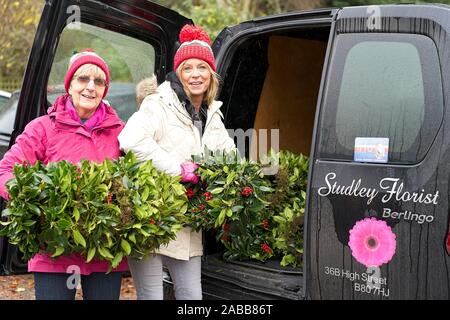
(195, 43)
(85, 57)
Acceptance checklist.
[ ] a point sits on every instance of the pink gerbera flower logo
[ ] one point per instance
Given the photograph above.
(372, 242)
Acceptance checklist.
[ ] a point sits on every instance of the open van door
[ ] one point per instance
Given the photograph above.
(136, 38)
(378, 200)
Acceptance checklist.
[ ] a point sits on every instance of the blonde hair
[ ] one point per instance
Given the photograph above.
(89, 68)
(213, 89)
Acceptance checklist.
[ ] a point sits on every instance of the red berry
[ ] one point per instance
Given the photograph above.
(265, 224)
(265, 247)
(246, 191)
(207, 195)
(190, 193)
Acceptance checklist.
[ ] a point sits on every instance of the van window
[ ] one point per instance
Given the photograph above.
(129, 61)
(382, 86)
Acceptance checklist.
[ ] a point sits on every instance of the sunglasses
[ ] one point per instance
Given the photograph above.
(98, 82)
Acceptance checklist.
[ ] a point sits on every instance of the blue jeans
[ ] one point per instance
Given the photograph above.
(96, 286)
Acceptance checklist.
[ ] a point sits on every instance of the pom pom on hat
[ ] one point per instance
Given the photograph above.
(195, 43)
(87, 56)
(191, 33)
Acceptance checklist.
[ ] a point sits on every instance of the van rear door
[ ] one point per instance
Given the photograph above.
(378, 200)
(271, 69)
(136, 38)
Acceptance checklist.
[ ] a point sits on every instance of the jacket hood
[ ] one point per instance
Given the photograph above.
(146, 87)
(58, 105)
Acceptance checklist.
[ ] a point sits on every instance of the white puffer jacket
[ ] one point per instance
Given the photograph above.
(162, 131)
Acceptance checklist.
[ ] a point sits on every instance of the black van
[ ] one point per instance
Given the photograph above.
(361, 90)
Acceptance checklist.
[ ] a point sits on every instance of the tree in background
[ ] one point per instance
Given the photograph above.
(214, 15)
(18, 20)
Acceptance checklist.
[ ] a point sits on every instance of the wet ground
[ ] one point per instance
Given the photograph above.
(21, 287)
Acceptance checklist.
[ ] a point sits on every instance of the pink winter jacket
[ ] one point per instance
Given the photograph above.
(55, 137)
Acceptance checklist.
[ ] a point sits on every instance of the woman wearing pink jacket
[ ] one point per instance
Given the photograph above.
(78, 126)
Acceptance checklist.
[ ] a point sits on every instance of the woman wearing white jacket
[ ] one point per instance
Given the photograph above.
(176, 120)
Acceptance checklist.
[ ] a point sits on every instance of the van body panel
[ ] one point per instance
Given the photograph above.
(419, 268)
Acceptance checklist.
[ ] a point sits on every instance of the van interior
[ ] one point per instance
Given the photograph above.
(271, 81)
